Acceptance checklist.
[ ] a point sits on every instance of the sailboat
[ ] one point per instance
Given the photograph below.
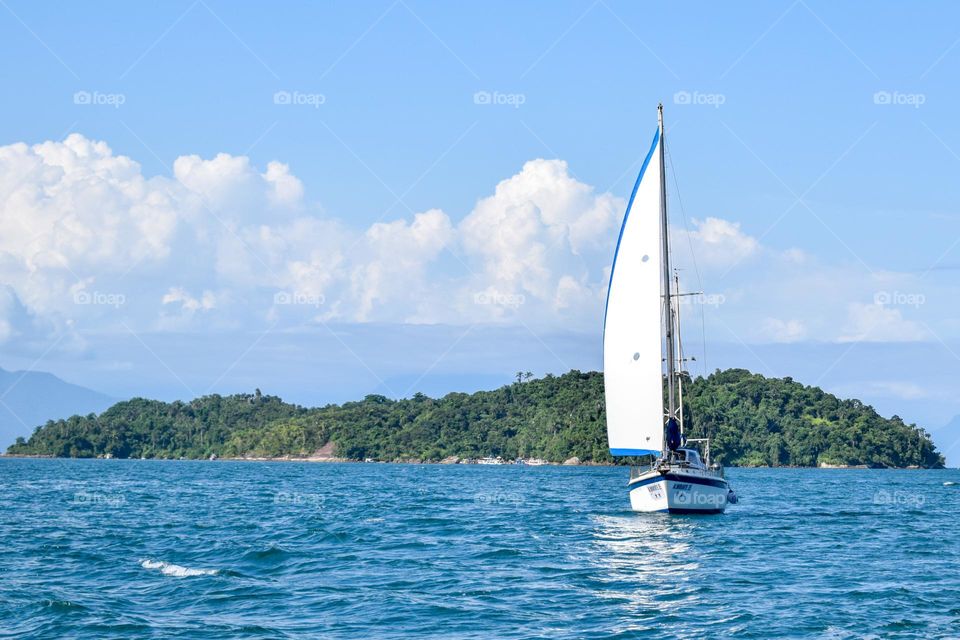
(640, 336)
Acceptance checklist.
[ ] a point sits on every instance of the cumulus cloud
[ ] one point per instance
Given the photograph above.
(78, 220)
(542, 236)
(392, 274)
(87, 239)
(85, 235)
(71, 210)
(720, 243)
(232, 187)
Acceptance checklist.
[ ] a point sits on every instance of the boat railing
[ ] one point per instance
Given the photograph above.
(636, 472)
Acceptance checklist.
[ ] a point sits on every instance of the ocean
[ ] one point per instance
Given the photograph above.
(132, 549)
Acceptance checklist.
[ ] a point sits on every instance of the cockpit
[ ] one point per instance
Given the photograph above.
(689, 457)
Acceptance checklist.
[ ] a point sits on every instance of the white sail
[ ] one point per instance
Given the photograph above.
(632, 360)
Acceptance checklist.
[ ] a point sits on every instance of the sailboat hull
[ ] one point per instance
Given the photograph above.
(677, 490)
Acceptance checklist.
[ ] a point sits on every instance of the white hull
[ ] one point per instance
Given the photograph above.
(678, 490)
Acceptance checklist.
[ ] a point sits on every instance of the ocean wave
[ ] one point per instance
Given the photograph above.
(175, 570)
(472, 569)
(269, 553)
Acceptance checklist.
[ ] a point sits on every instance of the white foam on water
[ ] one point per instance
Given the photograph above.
(175, 570)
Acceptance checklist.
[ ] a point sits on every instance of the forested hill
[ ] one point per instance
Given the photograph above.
(751, 420)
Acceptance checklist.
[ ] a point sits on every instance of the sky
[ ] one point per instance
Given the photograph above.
(330, 199)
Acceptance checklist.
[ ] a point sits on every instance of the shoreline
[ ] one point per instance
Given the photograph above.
(334, 460)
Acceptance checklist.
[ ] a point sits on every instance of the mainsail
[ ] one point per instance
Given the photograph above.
(632, 356)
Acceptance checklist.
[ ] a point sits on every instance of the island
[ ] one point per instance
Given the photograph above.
(751, 420)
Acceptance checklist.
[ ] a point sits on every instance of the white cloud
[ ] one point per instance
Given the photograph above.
(74, 217)
(901, 389)
(233, 189)
(720, 243)
(544, 236)
(77, 220)
(72, 210)
(287, 190)
(177, 295)
(878, 323)
(214, 245)
(392, 274)
(783, 331)
(791, 295)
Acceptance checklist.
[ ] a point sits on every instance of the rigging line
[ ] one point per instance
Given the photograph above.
(693, 256)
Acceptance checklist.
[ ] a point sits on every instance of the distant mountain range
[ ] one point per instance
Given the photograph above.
(29, 398)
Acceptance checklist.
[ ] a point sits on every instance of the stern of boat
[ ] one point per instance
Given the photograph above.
(676, 490)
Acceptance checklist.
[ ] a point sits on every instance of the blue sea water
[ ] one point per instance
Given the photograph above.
(130, 549)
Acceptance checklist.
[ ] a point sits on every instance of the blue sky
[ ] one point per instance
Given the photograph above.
(434, 187)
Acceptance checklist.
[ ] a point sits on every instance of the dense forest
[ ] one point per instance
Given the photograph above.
(751, 421)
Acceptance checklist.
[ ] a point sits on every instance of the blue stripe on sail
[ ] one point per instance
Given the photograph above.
(634, 452)
(633, 194)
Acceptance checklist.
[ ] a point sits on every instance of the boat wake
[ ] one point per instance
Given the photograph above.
(175, 570)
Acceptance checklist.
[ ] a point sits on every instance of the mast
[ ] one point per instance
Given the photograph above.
(667, 294)
(680, 359)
